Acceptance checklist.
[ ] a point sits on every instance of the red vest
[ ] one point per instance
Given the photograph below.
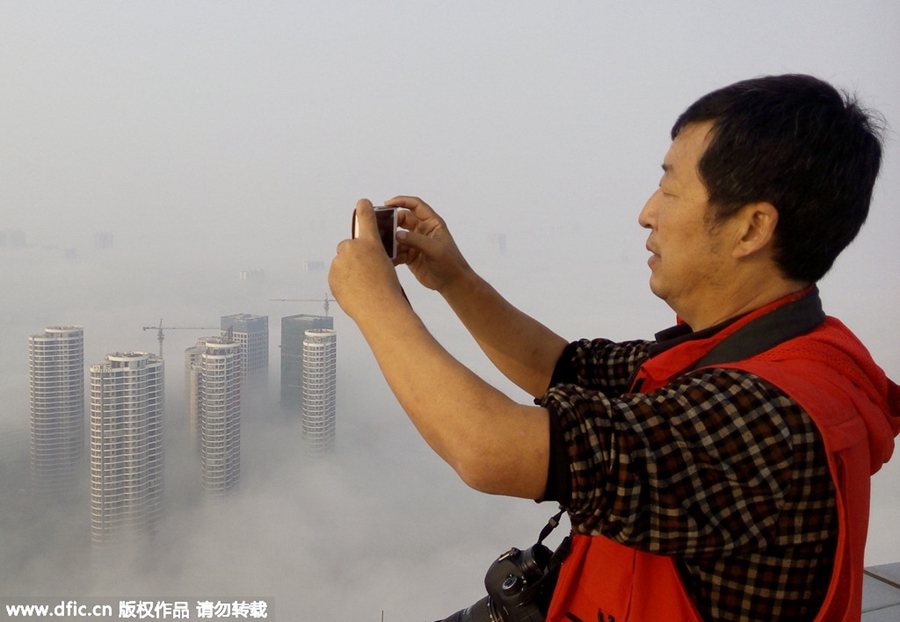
(855, 407)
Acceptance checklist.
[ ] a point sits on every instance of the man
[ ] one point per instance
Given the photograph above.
(720, 472)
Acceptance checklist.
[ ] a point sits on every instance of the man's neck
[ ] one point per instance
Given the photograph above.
(739, 300)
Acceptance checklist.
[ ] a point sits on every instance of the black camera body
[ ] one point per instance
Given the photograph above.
(386, 219)
(514, 585)
(519, 583)
(519, 586)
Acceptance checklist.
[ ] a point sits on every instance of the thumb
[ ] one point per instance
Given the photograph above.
(364, 224)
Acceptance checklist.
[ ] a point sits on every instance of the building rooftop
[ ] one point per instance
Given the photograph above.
(881, 593)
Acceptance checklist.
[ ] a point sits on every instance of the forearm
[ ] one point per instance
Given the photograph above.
(493, 443)
(522, 348)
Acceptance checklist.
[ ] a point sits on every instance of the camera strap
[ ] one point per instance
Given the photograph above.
(552, 524)
(546, 585)
(562, 551)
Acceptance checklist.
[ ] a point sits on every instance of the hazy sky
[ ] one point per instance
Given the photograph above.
(211, 137)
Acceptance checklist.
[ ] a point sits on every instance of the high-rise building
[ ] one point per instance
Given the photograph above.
(293, 333)
(192, 389)
(252, 333)
(127, 397)
(12, 238)
(56, 366)
(214, 395)
(255, 275)
(319, 389)
(103, 239)
(497, 241)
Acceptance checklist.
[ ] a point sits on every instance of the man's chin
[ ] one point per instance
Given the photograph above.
(656, 287)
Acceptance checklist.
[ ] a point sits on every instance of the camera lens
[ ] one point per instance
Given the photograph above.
(479, 612)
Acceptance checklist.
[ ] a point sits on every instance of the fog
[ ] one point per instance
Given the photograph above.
(214, 137)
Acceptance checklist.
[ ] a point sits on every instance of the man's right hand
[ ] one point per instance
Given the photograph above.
(523, 349)
(426, 246)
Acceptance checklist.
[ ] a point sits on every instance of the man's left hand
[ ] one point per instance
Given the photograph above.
(362, 277)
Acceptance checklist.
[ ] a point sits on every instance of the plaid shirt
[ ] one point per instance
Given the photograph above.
(719, 469)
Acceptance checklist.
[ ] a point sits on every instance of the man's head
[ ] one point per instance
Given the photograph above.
(795, 142)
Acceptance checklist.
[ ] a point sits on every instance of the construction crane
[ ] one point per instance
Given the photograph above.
(160, 336)
(326, 301)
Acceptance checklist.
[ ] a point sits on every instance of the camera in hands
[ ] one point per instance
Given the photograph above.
(386, 218)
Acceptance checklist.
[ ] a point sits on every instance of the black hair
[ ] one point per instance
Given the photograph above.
(798, 143)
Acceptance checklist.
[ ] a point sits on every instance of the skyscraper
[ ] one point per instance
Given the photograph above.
(127, 396)
(319, 389)
(252, 333)
(215, 401)
(293, 333)
(56, 366)
(497, 241)
(192, 389)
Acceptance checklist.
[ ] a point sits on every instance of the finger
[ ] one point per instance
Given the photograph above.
(427, 245)
(406, 219)
(416, 205)
(406, 255)
(366, 225)
(403, 256)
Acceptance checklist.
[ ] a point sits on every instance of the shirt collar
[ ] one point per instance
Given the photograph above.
(680, 333)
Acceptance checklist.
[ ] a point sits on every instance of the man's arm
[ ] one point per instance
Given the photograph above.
(493, 443)
(523, 349)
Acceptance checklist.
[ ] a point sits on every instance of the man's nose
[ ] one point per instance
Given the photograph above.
(648, 215)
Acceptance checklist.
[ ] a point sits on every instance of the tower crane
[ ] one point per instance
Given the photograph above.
(160, 336)
(326, 301)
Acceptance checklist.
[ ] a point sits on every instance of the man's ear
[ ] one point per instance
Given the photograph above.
(756, 228)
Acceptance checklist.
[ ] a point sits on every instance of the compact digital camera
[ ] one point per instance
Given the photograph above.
(386, 217)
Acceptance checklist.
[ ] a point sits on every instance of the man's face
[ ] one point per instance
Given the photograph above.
(688, 262)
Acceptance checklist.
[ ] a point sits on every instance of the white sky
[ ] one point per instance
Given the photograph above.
(240, 134)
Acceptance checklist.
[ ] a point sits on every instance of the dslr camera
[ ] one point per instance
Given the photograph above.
(519, 583)
(519, 586)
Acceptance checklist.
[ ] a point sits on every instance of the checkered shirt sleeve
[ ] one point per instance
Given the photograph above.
(719, 469)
